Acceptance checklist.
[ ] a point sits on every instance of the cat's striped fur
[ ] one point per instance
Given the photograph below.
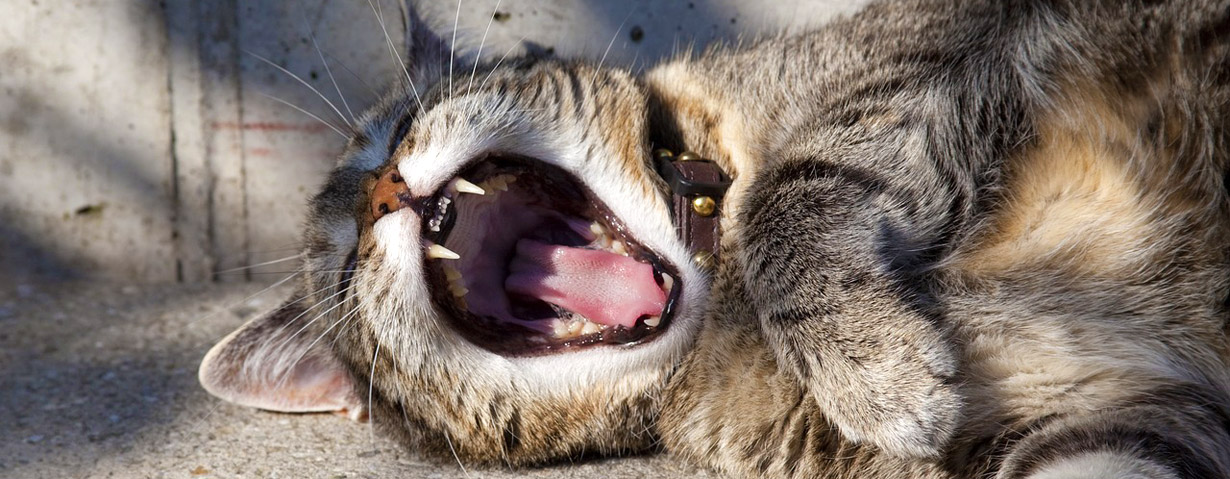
(966, 239)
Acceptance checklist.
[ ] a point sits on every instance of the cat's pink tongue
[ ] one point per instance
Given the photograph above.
(606, 288)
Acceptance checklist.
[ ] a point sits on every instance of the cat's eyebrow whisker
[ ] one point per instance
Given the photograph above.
(329, 71)
(478, 56)
(304, 83)
(609, 45)
(305, 112)
(379, 12)
(501, 60)
(452, 49)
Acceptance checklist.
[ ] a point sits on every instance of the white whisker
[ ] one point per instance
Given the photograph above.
(257, 265)
(329, 71)
(305, 112)
(371, 382)
(305, 83)
(478, 56)
(379, 11)
(454, 451)
(497, 64)
(452, 50)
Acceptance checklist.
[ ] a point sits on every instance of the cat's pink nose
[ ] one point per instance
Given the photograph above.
(389, 194)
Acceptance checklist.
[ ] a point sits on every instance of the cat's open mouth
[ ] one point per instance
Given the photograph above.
(525, 260)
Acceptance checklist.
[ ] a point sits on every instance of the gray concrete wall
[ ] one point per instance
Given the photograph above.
(142, 141)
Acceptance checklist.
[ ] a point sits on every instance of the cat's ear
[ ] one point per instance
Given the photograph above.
(427, 54)
(269, 363)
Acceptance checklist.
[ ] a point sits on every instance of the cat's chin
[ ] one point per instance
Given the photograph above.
(525, 261)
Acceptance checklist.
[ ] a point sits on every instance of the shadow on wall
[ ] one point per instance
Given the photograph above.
(156, 147)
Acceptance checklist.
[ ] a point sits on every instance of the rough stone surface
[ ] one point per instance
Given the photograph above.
(99, 381)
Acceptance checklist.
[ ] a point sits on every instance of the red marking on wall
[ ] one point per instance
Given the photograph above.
(269, 126)
(261, 151)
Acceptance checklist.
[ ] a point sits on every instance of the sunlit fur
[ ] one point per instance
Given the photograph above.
(966, 239)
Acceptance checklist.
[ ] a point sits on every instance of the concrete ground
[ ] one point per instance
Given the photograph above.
(100, 381)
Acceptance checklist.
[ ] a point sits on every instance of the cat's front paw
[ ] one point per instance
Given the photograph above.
(896, 392)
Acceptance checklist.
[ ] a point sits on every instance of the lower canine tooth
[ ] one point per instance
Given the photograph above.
(668, 283)
(618, 246)
(653, 321)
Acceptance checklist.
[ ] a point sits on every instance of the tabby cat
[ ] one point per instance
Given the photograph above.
(963, 239)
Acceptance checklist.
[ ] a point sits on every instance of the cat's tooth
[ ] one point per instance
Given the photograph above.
(462, 186)
(596, 229)
(458, 291)
(574, 328)
(618, 247)
(668, 282)
(451, 273)
(559, 328)
(653, 321)
(435, 251)
(590, 328)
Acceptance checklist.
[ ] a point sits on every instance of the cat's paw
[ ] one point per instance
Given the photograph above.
(896, 393)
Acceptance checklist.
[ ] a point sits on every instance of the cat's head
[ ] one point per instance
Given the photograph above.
(491, 266)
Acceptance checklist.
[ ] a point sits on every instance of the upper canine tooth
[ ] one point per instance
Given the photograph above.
(653, 321)
(435, 251)
(618, 246)
(595, 228)
(462, 186)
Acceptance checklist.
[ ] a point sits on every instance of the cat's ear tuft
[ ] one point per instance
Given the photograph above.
(269, 364)
(427, 54)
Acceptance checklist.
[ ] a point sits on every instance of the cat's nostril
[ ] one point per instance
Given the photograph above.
(389, 194)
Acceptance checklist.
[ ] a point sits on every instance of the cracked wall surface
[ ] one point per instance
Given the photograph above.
(151, 141)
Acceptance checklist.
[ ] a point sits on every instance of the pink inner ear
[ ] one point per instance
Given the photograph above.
(265, 364)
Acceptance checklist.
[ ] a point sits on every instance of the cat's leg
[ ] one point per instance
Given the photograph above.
(833, 257)
(1177, 433)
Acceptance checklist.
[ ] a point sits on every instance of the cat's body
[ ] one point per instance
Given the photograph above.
(965, 239)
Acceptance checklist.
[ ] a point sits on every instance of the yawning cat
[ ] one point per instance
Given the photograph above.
(960, 239)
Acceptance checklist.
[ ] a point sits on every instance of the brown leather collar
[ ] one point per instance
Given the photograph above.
(697, 188)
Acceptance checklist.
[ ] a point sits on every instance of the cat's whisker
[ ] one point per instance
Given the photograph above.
(308, 113)
(244, 300)
(478, 56)
(452, 49)
(304, 83)
(610, 44)
(371, 383)
(501, 60)
(379, 11)
(454, 451)
(257, 265)
(329, 71)
(344, 318)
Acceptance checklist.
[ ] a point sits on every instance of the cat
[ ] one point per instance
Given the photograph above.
(961, 239)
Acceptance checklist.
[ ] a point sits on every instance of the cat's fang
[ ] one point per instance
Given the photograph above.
(460, 185)
(435, 251)
(653, 321)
